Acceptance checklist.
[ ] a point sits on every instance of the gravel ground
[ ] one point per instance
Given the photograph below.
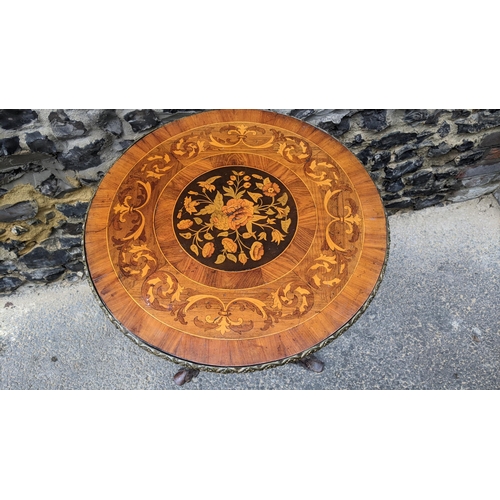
(434, 324)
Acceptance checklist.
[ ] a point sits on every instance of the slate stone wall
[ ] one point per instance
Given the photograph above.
(51, 162)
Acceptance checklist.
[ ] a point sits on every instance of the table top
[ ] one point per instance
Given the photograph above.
(235, 239)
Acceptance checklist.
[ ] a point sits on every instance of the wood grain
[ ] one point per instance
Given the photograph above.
(235, 238)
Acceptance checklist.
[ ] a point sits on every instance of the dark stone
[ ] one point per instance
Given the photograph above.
(110, 122)
(477, 122)
(9, 284)
(420, 178)
(68, 243)
(13, 245)
(53, 358)
(416, 191)
(15, 173)
(76, 211)
(11, 119)
(402, 169)
(302, 114)
(405, 152)
(75, 266)
(7, 266)
(173, 111)
(72, 229)
(429, 202)
(358, 139)
(399, 204)
(380, 160)
(394, 187)
(415, 115)
(49, 216)
(142, 119)
(468, 158)
(446, 174)
(465, 146)
(9, 146)
(491, 140)
(374, 119)
(125, 145)
(39, 143)
(23, 210)
(65, 128)
(390, 197)
(440, 150)
(54, 187)
(489, 118)
(18, 230)
(460, 113)
(394, 139)
(424, 135)
(44, 275)
(334, 129)
(364, 155)
(40, 257)
(444, 129)
(488, 169)
(83, 158)
(469, 128)
(433, 117)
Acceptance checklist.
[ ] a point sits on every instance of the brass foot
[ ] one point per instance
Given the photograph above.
(185, 375)
(312, 363)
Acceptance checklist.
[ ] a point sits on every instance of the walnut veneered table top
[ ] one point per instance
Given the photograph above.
(235, 239)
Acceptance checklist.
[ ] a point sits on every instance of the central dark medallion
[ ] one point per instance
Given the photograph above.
(235, 218)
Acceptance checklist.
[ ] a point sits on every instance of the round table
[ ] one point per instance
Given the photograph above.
(235, 240)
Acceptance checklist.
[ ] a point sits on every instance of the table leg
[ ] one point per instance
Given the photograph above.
(312, 363)
(185, 375)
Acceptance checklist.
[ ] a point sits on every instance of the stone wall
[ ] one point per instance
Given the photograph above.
(51, 162)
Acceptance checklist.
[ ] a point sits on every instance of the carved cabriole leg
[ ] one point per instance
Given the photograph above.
(312, 363)
(185, 375)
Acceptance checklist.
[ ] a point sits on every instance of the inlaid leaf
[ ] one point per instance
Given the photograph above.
(194, 249)
(269, 211)
(232, 257)
(187, 236)
(255, 196)
(208, 236)
(263, 236)
(224, 233)
(212, 179)
(220, 259)
(209, 209)
(256, 176)
(283, 199)
(198, 220)
(218, 201)
(285, 224)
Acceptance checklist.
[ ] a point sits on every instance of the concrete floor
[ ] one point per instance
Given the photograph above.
(434, 324)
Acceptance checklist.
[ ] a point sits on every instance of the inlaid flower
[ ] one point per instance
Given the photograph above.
(184, 224)
(239, 212)
(208, 250)
(271, 189)
(243, 258)
(277, 236)
(190, 205)
(220, 220)
(229, 245)
(257, 251)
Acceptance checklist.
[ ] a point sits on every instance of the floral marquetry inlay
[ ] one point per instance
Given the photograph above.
(236, 238)
(236, 216)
